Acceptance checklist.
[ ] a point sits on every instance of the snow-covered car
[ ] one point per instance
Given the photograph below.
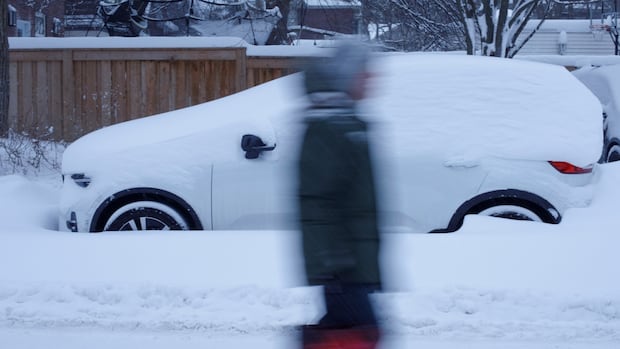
(604, 82)
(453, 135)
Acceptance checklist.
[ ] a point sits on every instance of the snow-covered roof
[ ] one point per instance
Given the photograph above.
(255, 31)
(332, 3)
(324, 32)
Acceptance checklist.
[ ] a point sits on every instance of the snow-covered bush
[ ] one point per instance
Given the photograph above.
(29, 152)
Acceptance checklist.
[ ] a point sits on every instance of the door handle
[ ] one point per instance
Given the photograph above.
(253, 146)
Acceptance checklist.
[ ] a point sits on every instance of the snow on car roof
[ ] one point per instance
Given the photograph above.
(603, 81)
(468, 106)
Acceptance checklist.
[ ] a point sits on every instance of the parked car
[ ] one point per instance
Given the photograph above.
(604, 82)
(452, 135)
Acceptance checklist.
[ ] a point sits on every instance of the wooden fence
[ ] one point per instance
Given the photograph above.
(66, 93)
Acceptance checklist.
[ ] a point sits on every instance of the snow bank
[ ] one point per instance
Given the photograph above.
(27, 203)
(518, 284)
(495, 283)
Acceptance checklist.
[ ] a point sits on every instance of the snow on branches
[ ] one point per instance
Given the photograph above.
(496, 27)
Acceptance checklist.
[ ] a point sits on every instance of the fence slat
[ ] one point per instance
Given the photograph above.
(149, 88)
(180, 85)
(13, 102)
(26, 92)
(42, 97)
(56, 98)
(119, 109)
(165, 95)
(134, 90)
(91, 117)
(105, 91)
(68, 96)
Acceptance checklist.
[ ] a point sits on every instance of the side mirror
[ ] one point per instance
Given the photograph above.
(253, 146)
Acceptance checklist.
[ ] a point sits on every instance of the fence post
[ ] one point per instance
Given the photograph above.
(241, 60)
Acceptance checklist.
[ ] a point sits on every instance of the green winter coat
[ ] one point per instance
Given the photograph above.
(338, 213)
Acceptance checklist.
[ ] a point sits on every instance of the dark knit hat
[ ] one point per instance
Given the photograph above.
(338, 72)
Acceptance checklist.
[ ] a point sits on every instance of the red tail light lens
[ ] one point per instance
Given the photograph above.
(568, 168)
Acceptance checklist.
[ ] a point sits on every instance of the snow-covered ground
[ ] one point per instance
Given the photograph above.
(495, 283)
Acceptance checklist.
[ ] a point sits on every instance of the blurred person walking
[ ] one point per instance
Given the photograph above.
(337, 202)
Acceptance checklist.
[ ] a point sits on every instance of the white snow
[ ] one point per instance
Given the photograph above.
(332, 3)
(604, 81)
(573, 60)
(22, 43)
(494, 283)
(34, 43)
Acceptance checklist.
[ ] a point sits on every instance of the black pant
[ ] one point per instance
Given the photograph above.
(348, 306)
(349, 320)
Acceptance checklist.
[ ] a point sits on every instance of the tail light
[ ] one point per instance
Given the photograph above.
(568, 168)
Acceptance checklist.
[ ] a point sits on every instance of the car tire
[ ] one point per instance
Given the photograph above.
(145, 215)
(511, 212)
(613, 154)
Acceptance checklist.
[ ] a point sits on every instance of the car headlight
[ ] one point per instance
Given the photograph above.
(81, 179)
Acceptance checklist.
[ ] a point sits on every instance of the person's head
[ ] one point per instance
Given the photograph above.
(344, 71)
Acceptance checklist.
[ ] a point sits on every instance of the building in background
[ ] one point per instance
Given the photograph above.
(325, 19)
(250, 20)
(81, 18)
(36, 18)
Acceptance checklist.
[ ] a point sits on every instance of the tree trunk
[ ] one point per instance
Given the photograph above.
(4, 70)
(467, 11)
(279, 35)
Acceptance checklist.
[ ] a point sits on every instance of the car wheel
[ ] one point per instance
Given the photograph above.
(613, 154)
(145, 215)
(511, 212)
